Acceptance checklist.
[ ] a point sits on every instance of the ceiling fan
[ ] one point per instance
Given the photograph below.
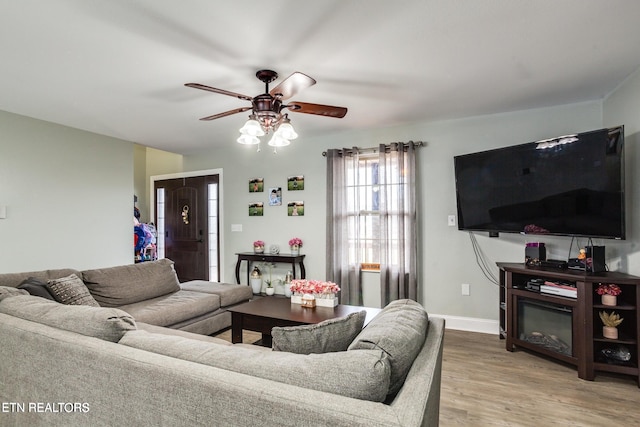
(267, 108)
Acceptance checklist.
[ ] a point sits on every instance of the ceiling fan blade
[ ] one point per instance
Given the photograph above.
(226, 113)
(292, 85)
(321, 110)
(216, 90)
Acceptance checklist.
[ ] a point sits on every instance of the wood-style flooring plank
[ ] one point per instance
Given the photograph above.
(485, 385)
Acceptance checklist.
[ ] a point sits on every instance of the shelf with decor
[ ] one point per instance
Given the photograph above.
(570, 328)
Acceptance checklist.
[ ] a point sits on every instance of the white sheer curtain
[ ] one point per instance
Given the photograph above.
(342, 233)
(398, 258)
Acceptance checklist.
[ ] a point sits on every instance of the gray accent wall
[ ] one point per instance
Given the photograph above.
(69, 197)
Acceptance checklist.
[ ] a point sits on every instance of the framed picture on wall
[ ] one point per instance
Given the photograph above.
(256, 209)
(275, 196)
(295, 208)
(295, 182)
(256, 185)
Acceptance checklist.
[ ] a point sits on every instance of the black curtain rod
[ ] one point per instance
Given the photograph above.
(374, 149)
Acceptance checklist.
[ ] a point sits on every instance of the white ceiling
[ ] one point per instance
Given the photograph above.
(118, 67)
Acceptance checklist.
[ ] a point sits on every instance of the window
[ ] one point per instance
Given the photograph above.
(363, 212)
(372, 220)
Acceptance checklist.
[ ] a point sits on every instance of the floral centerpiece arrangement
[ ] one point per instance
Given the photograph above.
(608, 289)
(258, 246)
(296, 241)
(609, 293)
(295, 244)
(325, 293)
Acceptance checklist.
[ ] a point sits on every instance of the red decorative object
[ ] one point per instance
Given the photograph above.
(608, 289)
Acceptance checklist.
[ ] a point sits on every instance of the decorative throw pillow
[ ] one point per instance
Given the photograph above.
(10, 291)
(324, 337)
(71, 290)
(36, 287)
(399, 330)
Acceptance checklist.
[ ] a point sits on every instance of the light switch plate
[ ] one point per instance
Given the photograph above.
(236, 227)
(3, 212)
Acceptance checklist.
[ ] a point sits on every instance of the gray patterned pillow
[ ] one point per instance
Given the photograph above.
(324, 337)
(71, 290)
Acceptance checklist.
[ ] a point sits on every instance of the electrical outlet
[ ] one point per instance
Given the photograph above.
(466, 289)
(451, 220)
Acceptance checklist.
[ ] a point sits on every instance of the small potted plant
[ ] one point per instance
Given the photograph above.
(295, 244)
(609, 293)
(611, 322)
(258, 246)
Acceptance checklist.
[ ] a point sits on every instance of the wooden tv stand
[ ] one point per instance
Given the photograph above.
(587, 339)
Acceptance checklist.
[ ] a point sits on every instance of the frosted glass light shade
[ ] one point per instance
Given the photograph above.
(252, 127)
(248, 139)
(286, 131)
(278, 141)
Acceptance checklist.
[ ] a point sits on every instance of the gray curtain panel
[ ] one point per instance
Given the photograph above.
(398, 258)
(340, 170)
(397, 218)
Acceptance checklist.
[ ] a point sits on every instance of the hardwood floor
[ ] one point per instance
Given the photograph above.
(485, 385)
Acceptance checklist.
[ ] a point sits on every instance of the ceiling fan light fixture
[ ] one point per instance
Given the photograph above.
(252, 127)
(248, 139)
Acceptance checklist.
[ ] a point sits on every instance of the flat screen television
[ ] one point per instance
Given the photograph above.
(572, 185)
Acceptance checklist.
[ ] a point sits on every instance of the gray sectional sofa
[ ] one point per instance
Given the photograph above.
(84, 365)
(152, 294)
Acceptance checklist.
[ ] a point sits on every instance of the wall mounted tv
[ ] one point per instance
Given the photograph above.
(572, 185)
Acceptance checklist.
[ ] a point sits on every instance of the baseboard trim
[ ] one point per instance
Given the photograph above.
(470, 324)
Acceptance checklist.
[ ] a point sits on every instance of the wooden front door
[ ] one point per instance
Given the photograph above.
(187, 204)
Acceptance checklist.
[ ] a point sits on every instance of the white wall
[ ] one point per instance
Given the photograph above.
(622, 108)
(69, 197)
(447, 256)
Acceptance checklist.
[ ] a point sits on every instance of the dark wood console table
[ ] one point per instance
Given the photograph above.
(279, 258)
(587, 339)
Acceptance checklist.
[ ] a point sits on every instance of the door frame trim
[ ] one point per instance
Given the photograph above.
(191, 174)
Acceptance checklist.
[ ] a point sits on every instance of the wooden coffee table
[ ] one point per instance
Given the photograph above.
(262, 314)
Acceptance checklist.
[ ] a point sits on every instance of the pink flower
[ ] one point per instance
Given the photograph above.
(258, 243)
(608, 289)
(295, 241)
(303, 286)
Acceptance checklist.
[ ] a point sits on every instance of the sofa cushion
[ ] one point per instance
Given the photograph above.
(141, 326)
(128, 284)
(108, 324)
(329, 335)
(10, 291)
(36, 287)
(399, 330)
(14, 279)
(174, 308)
(229, 294)
(71, 290)
(362, 374)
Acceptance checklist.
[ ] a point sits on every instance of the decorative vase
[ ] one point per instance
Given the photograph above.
(272, 290)
(295, 250)
(610, 332)
(256, 285)
(258, 249)
(256, 280)
(610, 300)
